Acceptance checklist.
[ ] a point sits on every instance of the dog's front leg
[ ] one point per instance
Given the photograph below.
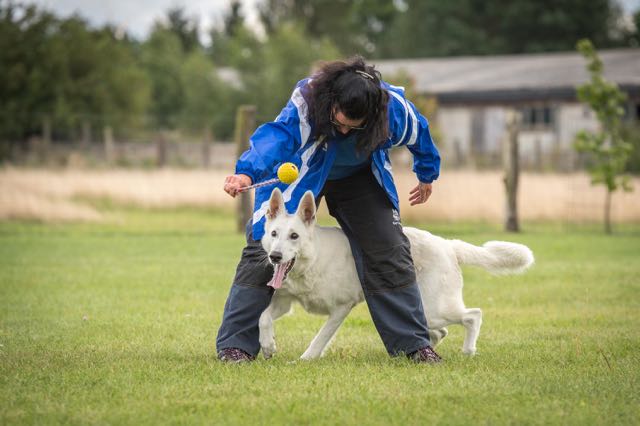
(279, 306)
(323, 338)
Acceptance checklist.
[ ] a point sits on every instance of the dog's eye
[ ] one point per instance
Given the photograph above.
(274, 234)
(293, 236)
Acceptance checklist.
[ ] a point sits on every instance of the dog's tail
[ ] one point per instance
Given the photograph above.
(497, 257)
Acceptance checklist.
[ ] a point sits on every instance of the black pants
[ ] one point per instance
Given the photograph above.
(383, 261)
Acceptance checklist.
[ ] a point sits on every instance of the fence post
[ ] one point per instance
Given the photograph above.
(245, 125)
(512, 171)
(109, 146)
(537, 155)
(161, 149)
(45, 143)
(46, 130)
(86, 135)
(206, 147)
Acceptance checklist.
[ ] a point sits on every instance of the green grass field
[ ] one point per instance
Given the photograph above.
(115, 323)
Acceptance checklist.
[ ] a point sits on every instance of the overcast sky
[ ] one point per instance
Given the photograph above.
(137, 16)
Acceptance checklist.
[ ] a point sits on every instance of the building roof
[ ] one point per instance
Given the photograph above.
(513, 78)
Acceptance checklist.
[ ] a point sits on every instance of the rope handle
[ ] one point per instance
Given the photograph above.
(259, 185)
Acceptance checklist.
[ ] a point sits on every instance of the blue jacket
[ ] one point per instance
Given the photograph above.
(288, 139)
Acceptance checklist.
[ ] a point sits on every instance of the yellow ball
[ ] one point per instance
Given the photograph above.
(287, 173)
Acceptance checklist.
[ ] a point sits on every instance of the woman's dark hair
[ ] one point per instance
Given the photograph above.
(354, 88)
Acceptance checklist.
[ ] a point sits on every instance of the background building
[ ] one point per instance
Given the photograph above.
(474, 94)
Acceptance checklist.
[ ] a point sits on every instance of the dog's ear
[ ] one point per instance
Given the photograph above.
(307, 208)
(276, 204)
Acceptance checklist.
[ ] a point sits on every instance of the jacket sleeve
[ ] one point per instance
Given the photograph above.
(410, 128)
(275, 142)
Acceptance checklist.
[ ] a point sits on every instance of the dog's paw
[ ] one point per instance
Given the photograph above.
(269, 349)
(469, 351)
(310, 356)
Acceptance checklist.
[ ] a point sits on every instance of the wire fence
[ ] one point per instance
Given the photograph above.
(85, 140)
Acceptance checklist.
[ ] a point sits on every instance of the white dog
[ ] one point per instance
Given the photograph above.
(321, 275)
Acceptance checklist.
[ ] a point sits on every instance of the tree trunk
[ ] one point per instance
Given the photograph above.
(245, 125)
(512, 171)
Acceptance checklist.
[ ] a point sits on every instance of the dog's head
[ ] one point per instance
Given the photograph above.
(287, 235)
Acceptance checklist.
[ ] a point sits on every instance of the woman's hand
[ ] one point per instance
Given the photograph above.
(233, 183)
(420, 194)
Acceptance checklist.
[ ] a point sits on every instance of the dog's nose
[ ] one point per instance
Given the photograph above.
(275, 256)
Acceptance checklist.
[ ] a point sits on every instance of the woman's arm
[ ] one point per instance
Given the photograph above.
(275, 142)
(410, 128)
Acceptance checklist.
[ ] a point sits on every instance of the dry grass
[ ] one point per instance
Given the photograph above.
(458, 195)
(468, 195)
(54, 195)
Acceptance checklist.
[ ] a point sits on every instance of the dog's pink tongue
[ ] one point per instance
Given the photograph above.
(278, 275)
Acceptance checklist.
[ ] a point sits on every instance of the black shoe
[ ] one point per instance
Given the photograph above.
(425, 354)
(234, 355)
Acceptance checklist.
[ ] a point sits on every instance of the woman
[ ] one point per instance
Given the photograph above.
(337, 127)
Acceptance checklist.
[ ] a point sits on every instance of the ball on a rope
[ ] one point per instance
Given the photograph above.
(287, 173)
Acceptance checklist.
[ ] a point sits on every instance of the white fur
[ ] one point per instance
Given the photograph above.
(324, 278)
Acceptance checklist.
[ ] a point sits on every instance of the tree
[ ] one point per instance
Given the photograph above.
(208, 103)
(285, 58)
(123, 83)
(185, 28)
(234, 19)
(98, 79)
(64, 71)
(163, 57)
(268, 68)
(352, 26)
(473, 27)
(25, 69)
(608, 150)
(232, 43)
(425, 28)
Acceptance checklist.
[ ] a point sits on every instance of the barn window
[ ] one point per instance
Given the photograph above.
(538, 117)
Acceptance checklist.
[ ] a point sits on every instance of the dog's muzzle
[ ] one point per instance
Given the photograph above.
(280, 270)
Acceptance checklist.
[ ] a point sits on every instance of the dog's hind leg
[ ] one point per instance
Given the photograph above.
(471, 320)
(323, 338)
(279, 306)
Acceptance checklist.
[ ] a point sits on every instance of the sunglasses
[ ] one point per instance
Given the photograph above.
(336, 123)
